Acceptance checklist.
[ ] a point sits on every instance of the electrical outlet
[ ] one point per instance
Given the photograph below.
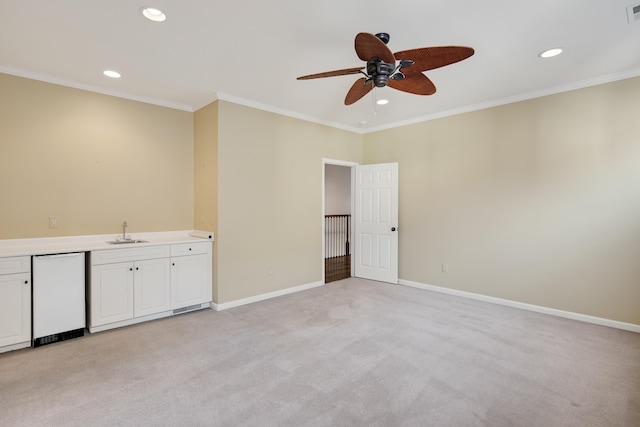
(53, 222)
(445, 268)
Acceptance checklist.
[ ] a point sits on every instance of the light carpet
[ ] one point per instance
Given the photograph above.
(350, 353)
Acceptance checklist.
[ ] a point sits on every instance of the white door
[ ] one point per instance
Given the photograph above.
(376, 222)
(189, 284)
(151, 286)
(111, 293)
(15, 308)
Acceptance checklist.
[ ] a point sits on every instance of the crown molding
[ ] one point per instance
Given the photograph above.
(289, 113)
(96, 89)
(284, 112)
(513, 99)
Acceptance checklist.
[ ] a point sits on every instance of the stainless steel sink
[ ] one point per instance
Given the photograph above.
(126, 241)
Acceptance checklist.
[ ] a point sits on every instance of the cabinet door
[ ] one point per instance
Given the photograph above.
(15, 309)
(190, 280)
(152, 286)
(111, 293)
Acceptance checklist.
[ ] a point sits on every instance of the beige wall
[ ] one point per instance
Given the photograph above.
(337, 190)
(91, 160)
(270, 199)
(206, 177)
(537, 202)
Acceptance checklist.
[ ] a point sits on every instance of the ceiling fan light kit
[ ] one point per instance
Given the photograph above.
(401, 70)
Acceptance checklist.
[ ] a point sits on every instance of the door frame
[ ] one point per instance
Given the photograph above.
(351, 165)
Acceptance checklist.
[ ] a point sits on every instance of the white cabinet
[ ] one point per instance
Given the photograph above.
(111, 293)
(190, 274)
(128, 283)
(125, 290)
(151, 287)
(135, 284)
(15, 303)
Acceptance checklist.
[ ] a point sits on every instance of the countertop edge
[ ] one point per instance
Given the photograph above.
(68, 244)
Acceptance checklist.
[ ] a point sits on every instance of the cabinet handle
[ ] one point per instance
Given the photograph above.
(137, 269)
(189, 248)
(26, 282)
(131, 269)
(173, 263)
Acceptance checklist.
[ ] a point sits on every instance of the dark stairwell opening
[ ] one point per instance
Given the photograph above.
(337, 256)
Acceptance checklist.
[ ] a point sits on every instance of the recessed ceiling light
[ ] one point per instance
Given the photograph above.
(112, 74)
(153, 14)
(550, 52)
(382, 101)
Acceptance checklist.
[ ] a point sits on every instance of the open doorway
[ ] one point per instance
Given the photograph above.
(337, 224)
(373, 228)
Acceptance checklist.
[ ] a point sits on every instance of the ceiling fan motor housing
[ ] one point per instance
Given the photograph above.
(384, 37)
(380, 71)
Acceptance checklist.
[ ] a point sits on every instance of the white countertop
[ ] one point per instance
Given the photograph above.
(59, 245)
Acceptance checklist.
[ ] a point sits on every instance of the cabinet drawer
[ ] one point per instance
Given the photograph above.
(110, 256)
(18, 264)
(190, 248)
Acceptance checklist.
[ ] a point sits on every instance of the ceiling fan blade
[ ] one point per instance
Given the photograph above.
(428, 58)
(368, 46)
(418, 84)
(358, 90)
(343, 72)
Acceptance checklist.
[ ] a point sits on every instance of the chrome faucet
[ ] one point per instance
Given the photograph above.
(124, 230)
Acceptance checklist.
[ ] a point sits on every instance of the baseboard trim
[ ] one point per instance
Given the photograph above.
(262, 297)
(18, 346)
(523, 306)
(129, 322)
(155, 316)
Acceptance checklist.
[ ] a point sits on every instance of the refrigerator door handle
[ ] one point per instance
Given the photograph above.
(58, 255)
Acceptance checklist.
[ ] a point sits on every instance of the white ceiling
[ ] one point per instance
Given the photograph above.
(251, 52)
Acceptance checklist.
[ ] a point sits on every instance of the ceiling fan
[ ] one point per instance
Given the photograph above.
(401, 70)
